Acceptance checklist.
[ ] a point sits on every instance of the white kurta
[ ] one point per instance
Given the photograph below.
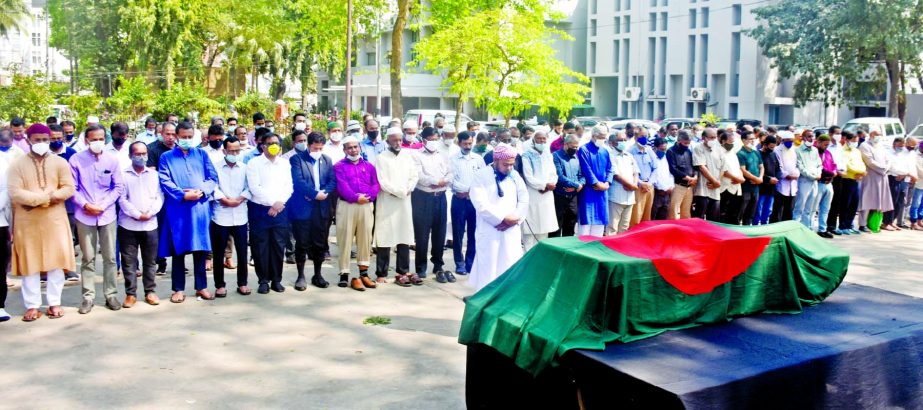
(496, 251)
(538, 170)
(397, 175)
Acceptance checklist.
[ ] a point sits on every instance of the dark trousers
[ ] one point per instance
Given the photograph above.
(782, 208)
(161, 216)
(898, 200)
(383, 260)
(849, 202)
(729, 209)
(834, 214)
(565, 209)
(430, 211)
(4, 260)
(131, 243)
(747, 207)
(661, 207)
(267, 241)
(706, 208)
(464, 219)
(198, 270)
(311, 235)
(219, 237)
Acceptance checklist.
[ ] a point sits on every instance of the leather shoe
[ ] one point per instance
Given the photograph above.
(344, 280)
(112, 303)
(864, 229)
(440, 277)
(449, 277)
(277, 287)
(301, 284)
(263, 288)
(318, 281)
(85, 307)
(368, 282)
(152, 299)
(356, 284)
(129, 302)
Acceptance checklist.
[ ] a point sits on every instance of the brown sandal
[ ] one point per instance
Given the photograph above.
(31, 315)
(416, 280)
(178, 297)
(54, 312)
(401, 280)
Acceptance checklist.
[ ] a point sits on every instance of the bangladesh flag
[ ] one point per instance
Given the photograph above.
(581, 293)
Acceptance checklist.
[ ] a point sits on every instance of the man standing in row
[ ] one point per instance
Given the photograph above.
(767, 189)
(269, 179)
(398, 176)
(230, 216)
(139, 204)
(570, 183)
(310, 210)
(430, 205)
(358, 188)
(465, 165)
(685, 179)
(596, 165)
(708, 158)
(751, 165)
(809, 170)
(662, 180)
(624, 185)
(646, 161)
(541, 179)
(98, 177)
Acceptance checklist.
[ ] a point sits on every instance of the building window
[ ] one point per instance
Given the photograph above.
(736, 14)
(705, 17)
(593, 27)
(618, 5)
(592, 6)
(627, 4)
(615, 56)
(653, 3)
(693, 16)
(663, 21)
(732, 110)
(36, 39)
(593, 57)
(616, 25)
(370, 58)
(652, 19)
(627, 22)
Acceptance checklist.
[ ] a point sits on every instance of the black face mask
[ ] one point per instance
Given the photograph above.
(118, 141)
(215, 144)
(571, 151)
(373, 135)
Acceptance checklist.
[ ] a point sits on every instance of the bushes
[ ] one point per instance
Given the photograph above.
(27, 97)
(182, 100)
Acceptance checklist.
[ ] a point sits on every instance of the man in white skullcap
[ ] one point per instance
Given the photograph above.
(410, 136)
(354, 129)
(397, 176)
(81, 144)
(450, 148)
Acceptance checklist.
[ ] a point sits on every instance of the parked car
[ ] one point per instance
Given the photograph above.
(890, 128)
(651, 126)
(421, 116)
(680, 122)
(917, 132)
(589, 122)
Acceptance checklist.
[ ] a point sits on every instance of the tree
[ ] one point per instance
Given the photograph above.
(133, 97)
(184, 99)
(27, 97)
(397, 56)
(14, 11)
(88, 33)
(518, 71)
(822, 45)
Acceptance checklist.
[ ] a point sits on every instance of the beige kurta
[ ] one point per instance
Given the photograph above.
(538, 170)
(41, 231)
(397, 175)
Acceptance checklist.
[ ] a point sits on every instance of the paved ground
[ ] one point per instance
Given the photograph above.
(295, 349)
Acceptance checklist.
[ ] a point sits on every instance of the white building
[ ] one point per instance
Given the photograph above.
(26, 50)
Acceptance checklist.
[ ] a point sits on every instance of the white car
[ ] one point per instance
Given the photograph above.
(421, 116)
(652, 127)
(890, 128)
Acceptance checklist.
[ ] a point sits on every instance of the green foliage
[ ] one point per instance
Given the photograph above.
(709, 119)
(82, 105)
(252, 103)
(377, 320)
(184, 99)
(26, 97)
(14, 12)
(133, 97)
(89, 32)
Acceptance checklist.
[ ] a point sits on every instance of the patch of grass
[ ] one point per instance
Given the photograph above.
(377, 320)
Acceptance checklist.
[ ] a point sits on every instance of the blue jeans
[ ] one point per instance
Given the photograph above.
(822, 203)
(463, 219)
(916, 206)
(804, 201)
(763, 209)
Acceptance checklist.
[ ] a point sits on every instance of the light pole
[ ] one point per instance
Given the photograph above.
(349, 49)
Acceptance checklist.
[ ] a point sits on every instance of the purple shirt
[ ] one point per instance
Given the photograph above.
(828, 167)
(99, 182)
(141, 195)
(23, 144)
(354, 179)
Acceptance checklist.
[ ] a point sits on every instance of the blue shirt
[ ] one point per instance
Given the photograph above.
(370, 151)
(646, 161)
(185, 227)
(596, 166)
(569, 174)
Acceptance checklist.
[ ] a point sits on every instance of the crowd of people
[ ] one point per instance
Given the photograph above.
(172, 190)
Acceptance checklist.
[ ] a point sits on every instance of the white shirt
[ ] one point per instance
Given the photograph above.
(12, 153)
(335, 152)
(122, 155)
(432, 167)
(269, 181)
(147, 137)
(788, 165)
(6, 211)
(464, 168)
(731, 166)
(232, 183)
(901, 164)
(625, 167)
(662, 179)
(215, 155)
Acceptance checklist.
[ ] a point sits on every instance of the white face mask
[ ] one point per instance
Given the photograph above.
(447, 142)
(336, 136)
(853, 145)
(600, 143)
(231, 129)
(97, 146)
(711, 143)
(539, 147)
(432, 146)
(353, 158)
(808, 143)
(40, 148)
(300, 126)
(316, 155)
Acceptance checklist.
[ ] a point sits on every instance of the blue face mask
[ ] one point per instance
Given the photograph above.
(56, 145)
(5, 149)
(660, 154)
(185, 144)
(642, 140)
(620, 146)
(788, 144)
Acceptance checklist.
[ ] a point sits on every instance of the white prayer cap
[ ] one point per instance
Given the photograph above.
(308, 122)
(93, 119)
(350, 139)
(394, 131)
(352, 125)
(786, 135)
(409, 125)
(448, 128)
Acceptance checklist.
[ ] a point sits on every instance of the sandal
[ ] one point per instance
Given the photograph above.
(178, 297)
(31, 315)
(401, 280)
(415, 279)
(205, 294)
(229, 264)
(55, 312)
(243, 290)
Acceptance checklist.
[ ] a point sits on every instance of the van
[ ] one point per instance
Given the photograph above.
(421, 116)
(890, 128)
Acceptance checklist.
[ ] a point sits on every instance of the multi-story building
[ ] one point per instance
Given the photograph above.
(25, 50)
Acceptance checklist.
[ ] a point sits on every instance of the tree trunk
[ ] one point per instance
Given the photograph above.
(902, 102)
(459, 105)
(397, 57)
(894, 95)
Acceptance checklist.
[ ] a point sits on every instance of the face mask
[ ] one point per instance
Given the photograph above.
(56, 145)
(671, 138)
(808, 143)
(711, 143)
(97, 146)
(620, 146)
(231, 129)
(40, 148)
(69, 137)
(300, 126)
(447, 142)
(353, 158)
(139, 161)
(539, 147)
(271, 129)
(409, 138)
(256, 127)
(5, 149)
(788, 144)
(874, 140)
(728, 146)
(301, 146)
(316, 155)
(185, 145)
(480, 148)
(273, 149)
(215, 144)
(432, 146)
(661, 154)
(465, 151)
(853, 145)
(336, 136)
(118, 141)
(232, 159)
(571, 151)
(373, 135)
(600, 143)
(160, 137)
(642, 140)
